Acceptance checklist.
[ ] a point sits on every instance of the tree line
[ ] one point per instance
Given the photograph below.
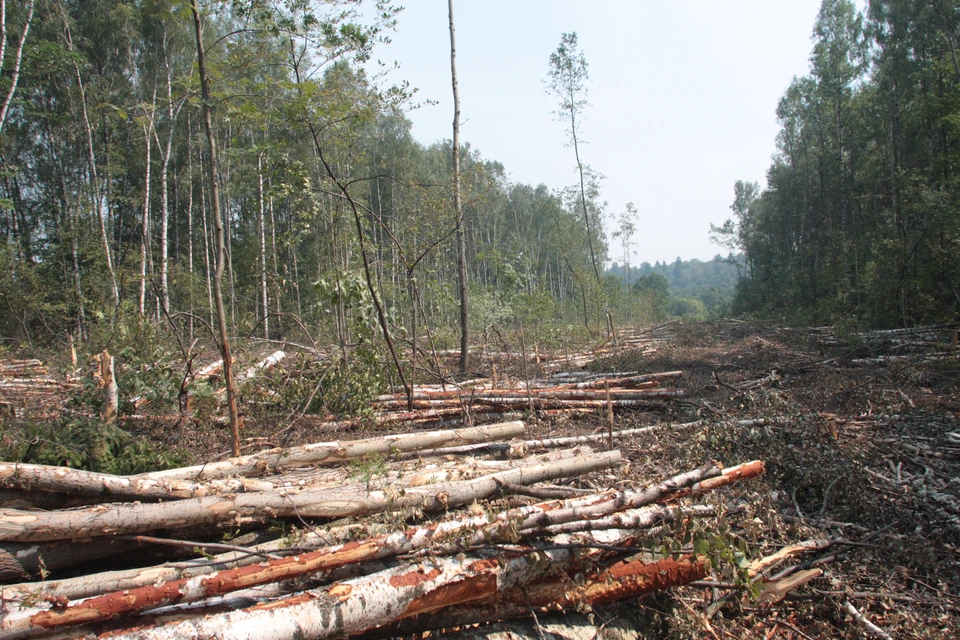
(334, 218)
(860, 219)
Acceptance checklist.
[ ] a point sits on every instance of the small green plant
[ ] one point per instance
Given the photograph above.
(368, 468)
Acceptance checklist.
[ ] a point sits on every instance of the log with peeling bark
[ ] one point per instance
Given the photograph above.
(128, 518)
(94, 584)
(194, 589)
(621, 581)
(354, 606)
(551, 518)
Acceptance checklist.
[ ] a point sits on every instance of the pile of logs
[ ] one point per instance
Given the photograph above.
(560, 393)
(26, 387)
(355, 553)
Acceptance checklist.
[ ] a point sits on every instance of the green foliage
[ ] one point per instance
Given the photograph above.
(349, 387)
(653, 292)
(858, 223)
(84, 443)
(689, 309)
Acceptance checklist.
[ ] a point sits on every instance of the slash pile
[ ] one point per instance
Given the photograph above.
(384, 535)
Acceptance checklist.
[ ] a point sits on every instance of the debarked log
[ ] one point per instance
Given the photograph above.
(76, 483)
(49, 486)
(274, 460)
(179, 483)
(127, 518)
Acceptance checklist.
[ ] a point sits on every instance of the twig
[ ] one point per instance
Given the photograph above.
(796, 630)
(870, 628)
(796, 505)
(216, 546)
(716, 376)
(826, 495)
(543, 493)
(533, 614)
(704, 622)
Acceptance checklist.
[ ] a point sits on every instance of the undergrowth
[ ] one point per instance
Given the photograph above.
(85, 443)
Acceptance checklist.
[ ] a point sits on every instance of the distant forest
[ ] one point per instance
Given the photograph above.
(860, 219)
(696, 288)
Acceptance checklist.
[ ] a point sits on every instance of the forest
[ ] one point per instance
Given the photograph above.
(271, 367)
(106, 187)
(860, 219)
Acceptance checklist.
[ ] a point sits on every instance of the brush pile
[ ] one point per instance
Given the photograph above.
(389, 534)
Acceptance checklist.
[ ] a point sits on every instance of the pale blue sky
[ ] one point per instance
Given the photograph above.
(683, 96)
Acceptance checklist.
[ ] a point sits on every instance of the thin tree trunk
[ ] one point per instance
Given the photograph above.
(145, 244)
(75, 255)
(190, 225)
(235, 419)
(263, 249)
(275, 285)
(17, 57)
(461, 241)
(164, 198)
(98, 191)
(208, 272)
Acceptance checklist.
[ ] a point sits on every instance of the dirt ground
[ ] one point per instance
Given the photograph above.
(859, 448)
(854, 451)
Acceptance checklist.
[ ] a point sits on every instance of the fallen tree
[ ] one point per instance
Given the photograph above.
(127, 518)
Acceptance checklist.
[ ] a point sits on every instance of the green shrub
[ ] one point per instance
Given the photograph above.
(85, 443)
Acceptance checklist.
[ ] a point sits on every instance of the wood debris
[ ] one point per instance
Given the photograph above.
(489, 558)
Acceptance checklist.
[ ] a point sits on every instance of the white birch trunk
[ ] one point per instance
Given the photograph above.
(132, 518)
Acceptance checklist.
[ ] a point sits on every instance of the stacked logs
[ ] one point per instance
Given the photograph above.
(555, 394)
(26, 387)
(495, 559)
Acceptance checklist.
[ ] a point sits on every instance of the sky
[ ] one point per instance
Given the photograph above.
(682, 95)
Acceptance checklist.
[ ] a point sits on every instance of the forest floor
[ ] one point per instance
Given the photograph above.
(859, 448)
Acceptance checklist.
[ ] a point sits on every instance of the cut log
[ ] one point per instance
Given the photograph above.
(408, 591)
(126, 579)
(128, 518)
(194, 589)
(23, 561)
(519, 448)
(551, 517)
(72, 483)
(39, 485)
(631, 381)
(267, 363)
(621, 581)
(274, 460)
